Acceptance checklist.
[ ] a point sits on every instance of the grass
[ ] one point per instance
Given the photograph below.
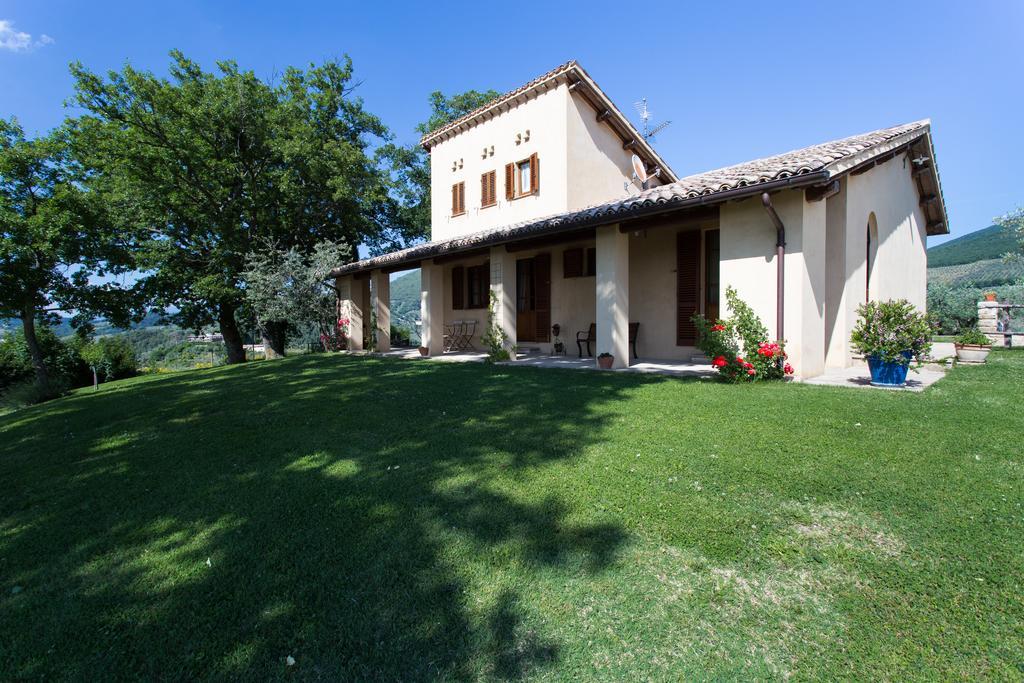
(379, 519)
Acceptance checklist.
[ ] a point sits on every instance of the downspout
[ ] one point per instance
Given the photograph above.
(780, 253)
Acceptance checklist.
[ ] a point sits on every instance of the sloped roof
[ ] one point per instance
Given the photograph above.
(814, 165)
(576, 77)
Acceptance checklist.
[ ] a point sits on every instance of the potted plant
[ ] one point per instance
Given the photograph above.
(990, 296)
(424, 351)
(890, 334)
(605, 360)
(972, 346)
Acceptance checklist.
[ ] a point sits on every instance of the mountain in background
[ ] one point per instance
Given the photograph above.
(981, 245)
(405, 301)
(103, 328)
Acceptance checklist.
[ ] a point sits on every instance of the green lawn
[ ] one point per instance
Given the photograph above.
(409, 520)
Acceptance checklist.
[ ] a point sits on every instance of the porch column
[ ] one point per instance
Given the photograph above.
(503, 285)
(613, 294)
(380, 304)
(432, 307)
(350, 305)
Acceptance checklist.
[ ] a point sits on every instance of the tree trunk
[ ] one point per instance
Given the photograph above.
(28, 323)
(232, 337)
(273, 334)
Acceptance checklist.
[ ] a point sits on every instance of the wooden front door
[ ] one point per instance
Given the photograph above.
(533, 298)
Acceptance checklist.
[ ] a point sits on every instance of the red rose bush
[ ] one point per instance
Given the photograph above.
(739, 347)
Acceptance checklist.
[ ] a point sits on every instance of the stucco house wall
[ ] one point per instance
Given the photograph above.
(544, 116)
(597, 163)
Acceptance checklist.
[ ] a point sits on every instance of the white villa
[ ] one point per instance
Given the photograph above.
(535, 199)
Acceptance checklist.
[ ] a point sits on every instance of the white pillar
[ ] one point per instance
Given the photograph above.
(503, 284)
(350, 293)
(613, 294)
(432, 307)
(380, 304)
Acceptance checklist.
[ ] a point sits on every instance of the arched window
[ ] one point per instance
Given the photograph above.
(870, 256)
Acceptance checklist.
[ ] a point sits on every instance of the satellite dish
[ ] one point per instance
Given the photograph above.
(638, 169)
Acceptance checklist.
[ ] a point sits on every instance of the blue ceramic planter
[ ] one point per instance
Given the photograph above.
(888, 374)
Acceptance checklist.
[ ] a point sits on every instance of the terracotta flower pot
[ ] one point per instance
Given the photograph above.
(990, 296)
(424, 351)
(605, 362)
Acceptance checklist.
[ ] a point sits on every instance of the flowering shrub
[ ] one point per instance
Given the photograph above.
(739, 347)
(336, 339)
(888, 330)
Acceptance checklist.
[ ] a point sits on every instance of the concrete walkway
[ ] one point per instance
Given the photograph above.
(860, 377)
(856, 376)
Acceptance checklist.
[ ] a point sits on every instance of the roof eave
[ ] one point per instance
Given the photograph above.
(424, 251)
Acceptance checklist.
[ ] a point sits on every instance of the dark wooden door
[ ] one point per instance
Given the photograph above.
(687, 286)
(526, 301)
(533, 298)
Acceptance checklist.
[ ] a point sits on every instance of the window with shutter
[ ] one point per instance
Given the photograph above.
(478, 283)
(510, 182)
(572, 262)
(591, 269)
(522, 178)
(687, 286)
(458, 199)
(488, 194)
(458, 287)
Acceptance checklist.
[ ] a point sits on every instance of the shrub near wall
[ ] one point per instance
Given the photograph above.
(739, 347)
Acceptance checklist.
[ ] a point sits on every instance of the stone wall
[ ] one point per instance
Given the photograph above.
(989, 316)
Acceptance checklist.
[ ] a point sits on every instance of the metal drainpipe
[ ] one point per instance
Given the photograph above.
(780, 251)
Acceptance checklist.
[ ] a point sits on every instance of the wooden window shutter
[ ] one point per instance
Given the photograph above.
(510, 182)
(455, 199)
(492, 187)
(458, 288)
(534, 173)
(542, 296)
(462, 197)
(687, 286)
(572, 262)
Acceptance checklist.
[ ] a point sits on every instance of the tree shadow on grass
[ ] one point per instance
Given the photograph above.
(361, 515)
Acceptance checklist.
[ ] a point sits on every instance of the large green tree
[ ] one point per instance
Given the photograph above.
(1013, 223)
(56, 248)
(204, 168)
(411, 164)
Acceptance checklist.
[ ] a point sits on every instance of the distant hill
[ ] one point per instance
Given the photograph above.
(405, 301)
(987, 273)
(981, 245)
(63, 328)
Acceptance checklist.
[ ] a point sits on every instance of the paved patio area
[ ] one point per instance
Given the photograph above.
(664, 367)
(856, 376)
(860, 377)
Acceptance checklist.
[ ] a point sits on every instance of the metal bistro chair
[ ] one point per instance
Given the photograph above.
(466, 337)
(452, 334)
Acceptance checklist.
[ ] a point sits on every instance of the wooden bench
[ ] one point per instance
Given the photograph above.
(590, 336)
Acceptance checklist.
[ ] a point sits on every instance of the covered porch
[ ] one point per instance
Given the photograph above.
(628, 289)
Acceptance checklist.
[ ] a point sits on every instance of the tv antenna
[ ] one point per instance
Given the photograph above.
(645, 116)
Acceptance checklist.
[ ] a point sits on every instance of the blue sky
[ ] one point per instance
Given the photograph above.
(738, 80)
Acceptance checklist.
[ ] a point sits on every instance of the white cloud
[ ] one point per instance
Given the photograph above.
(19, 41)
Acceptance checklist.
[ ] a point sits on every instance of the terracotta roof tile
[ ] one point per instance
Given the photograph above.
(822, 161)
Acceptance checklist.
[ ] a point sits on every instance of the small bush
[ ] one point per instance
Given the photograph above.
(888, 329)
(973, 336)
(62, 360)
(739, 347)
(30, 393)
